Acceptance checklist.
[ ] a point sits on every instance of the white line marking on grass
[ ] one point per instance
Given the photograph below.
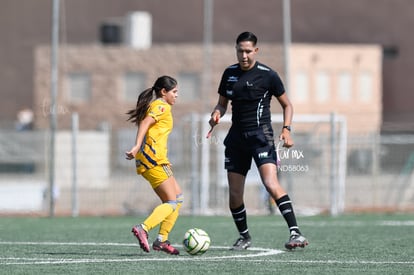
(397, 223)
(252, 252)
(250, 255)
(261, 252)
(358, 223)
(337, 262)
(39, 261)
(69, 243)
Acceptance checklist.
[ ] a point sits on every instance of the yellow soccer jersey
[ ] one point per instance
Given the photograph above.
(153, 151)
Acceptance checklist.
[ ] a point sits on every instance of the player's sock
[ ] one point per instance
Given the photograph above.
(240, 219)
(158, 215)
(169, 222)
(286, 209)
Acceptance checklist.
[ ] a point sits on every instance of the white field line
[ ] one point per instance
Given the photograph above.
(408, 223)
(28, 261)
(68, 243)
(257, 252)
(246, 258)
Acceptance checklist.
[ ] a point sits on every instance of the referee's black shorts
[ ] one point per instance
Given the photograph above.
(242, 146)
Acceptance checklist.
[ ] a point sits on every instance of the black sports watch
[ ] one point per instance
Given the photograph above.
(287, 127)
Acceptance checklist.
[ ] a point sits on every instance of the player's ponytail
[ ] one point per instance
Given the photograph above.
(144, 99)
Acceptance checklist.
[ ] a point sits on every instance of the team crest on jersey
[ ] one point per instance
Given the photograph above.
(232, 79)
(161, 109)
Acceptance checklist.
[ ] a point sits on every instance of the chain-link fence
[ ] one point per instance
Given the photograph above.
(377, 172)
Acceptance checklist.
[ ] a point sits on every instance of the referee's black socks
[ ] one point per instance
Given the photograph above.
(285, 206)
(240, 219)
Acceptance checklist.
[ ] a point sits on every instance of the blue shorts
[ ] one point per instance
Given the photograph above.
(242, 146)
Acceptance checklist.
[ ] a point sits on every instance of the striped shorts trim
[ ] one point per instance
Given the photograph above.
(158, 174)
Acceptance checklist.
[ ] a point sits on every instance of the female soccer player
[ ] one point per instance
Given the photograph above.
(154, 120)
(250, 86)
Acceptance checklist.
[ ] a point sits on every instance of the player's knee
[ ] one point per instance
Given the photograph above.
(180, 199)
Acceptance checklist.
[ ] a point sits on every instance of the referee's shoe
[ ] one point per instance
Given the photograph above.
(296, 240)
(241, 243)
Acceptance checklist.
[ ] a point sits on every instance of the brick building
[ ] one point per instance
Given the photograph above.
(101, 83)
(25, 24)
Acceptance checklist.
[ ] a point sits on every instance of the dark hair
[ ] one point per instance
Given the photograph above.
(144, 99)
(247, 36)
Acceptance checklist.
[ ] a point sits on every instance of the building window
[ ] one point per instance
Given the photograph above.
(189, 87)
(301, 87)
(344, 87)
(134, 84)
(390, 51)
(322, 87)
(79, 87)
(365, 87)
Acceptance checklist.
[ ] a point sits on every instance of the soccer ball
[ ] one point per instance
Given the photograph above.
(196, 241)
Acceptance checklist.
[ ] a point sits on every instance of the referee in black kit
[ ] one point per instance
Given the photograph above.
(250, 85)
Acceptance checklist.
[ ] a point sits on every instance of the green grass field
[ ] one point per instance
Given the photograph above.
(349, 244)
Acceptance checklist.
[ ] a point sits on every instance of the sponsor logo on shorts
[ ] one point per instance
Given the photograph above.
(263, 155)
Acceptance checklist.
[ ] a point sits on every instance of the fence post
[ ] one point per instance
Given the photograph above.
(195, 175)
(205, 167)
(75, 131)
(333, 174)
(342, 163)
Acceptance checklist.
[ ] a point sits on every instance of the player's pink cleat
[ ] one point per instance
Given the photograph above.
(166, 247)
(142, 237)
